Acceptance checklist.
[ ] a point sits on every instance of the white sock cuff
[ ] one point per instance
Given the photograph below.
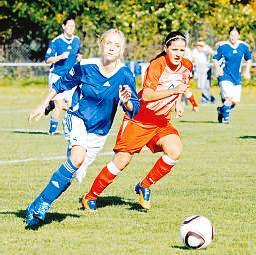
(169, 161)
(113, 169)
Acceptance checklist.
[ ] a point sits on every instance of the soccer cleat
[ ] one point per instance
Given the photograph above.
(144, 194)
(220, 116)
(49, 107)
(30, 220)
(40, 209)
(89, 204)
(195, 109)
(213, 100)
(225, 121)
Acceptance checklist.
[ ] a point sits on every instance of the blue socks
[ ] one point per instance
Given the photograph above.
(53, 125)
(59, 182)
(225, 112)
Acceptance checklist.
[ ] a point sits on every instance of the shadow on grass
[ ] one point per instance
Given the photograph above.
(181, 247)
(50, 217)
(114, 200)
(248, 137)
(33, 132)
(200, 121)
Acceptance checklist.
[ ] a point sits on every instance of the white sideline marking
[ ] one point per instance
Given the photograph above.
(10, 162)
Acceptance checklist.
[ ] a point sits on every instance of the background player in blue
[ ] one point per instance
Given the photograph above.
(232, 53)
(100, 87)
(62, 54)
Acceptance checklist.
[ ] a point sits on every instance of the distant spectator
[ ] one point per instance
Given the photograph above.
(202, 70)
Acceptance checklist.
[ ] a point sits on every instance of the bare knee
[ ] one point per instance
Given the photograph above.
(77, 155)
(122, 159)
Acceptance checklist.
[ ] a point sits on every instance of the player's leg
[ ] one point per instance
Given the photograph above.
(171, 145)
(105, 178)
(189, 95)
(55, 116)
(94, 145)
(130, 139)
(63, 176)
(59, 182)
(226, 93)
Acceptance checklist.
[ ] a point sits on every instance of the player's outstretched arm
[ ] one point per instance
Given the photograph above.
(38, 112)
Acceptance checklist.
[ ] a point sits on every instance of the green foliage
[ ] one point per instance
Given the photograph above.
(145, 23)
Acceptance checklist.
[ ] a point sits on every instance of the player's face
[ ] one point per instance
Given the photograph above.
(69, 28)
(234, 36)
(111, 47)
(176, 51)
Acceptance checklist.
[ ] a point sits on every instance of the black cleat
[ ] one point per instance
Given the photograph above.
(49, 108)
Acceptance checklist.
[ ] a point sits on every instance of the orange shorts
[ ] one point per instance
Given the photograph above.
(133, 137)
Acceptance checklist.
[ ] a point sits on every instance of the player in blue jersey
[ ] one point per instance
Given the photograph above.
(232, 52)
(100, 87)
(62, 54)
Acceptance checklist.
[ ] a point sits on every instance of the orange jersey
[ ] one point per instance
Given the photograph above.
(159, 76)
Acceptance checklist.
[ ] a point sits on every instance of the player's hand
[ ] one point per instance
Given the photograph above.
(179, 110)
(247, 75)
(36, 113)
(125, 93)
(219, 72)
(79, 57)
(65, 55)
(180, 89)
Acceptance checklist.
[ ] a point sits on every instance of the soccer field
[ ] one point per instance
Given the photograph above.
(216, 178)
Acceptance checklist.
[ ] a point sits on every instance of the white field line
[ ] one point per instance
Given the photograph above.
(26, 130)
(11, 162)
(14, 111)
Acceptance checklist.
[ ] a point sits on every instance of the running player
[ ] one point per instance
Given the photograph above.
(103, 85)
(165, 82)
(62, 54)
(232, 52)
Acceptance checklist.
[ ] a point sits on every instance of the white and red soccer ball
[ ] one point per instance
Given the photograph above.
(196, 232)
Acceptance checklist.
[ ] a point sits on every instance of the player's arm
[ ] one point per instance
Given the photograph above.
(69, 80)
(38, 112)
(129, 97)
(248, 64)
(215, 60)
(51, 56)
(247, 70)
(152, 77)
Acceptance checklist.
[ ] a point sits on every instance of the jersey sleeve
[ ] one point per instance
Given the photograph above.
(51, 51)
(247, 53)
(130, 81)
(218, 55)
(153, 74)
(69, 80)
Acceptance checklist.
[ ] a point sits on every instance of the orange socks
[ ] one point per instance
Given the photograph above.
(192, 101)
(162, 167)
(104, 178)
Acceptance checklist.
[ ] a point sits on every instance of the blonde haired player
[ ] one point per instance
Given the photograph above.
(101, 86)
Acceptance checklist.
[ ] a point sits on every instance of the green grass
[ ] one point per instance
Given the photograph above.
(215, 178)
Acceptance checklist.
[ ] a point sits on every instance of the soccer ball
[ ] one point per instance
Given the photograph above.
(196, 232)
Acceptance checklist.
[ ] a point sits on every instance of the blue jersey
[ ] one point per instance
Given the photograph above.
(59, 45)
(232, 57)
(96, 97)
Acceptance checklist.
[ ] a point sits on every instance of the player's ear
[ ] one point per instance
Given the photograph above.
(165, 48)
(63, 26)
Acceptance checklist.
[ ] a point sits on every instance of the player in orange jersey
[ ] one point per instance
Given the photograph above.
(165, 82)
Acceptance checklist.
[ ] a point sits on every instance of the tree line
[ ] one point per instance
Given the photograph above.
(145, 23)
